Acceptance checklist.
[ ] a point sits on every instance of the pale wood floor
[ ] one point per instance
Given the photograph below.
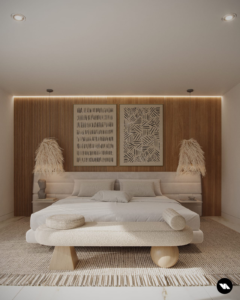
(8, 221)
(227, 223)
(110, 293)
(79, 293)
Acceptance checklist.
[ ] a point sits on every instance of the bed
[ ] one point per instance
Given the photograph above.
(139, 209)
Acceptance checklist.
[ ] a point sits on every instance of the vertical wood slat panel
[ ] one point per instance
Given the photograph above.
(37, 118)
(177, 129)
(206, 129)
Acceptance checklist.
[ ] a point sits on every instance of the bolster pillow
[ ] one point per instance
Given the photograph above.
(174, 219)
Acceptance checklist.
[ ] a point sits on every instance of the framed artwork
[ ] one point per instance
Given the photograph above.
(94, 135)
(141, 135)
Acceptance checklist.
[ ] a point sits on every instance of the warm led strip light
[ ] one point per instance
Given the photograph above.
(119, 96)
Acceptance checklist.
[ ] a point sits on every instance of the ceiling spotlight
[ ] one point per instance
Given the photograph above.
(18, 17)
(229, 17)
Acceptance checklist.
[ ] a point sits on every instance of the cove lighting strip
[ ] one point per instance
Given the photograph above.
(119, 96)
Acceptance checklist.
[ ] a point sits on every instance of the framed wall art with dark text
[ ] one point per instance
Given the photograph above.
(95, 135)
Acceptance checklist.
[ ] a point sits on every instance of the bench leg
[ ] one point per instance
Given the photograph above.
(63, 258)
(165, 257)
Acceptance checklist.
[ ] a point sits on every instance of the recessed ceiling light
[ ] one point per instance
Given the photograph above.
(18, 17)
(229, 17)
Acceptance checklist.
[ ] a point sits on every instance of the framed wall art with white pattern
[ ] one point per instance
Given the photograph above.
(141, 135)
(94, 135)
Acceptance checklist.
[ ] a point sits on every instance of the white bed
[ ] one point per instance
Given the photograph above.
(139, 209)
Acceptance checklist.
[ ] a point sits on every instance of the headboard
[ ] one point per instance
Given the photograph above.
(173, 186)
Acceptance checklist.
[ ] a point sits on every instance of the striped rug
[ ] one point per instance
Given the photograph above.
(203, 264)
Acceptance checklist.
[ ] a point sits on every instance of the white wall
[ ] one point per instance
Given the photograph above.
(6, 156)
(231, 155)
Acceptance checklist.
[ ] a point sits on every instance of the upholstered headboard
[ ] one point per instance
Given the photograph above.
(173, 186)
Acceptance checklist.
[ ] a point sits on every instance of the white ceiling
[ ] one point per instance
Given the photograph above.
(119, 47)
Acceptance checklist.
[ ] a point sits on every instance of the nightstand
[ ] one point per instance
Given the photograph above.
(42, 203)
(194, 205)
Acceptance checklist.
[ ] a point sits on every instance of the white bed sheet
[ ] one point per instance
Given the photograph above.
(139, 209)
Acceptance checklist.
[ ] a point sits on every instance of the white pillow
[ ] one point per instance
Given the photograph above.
(76, 187)
(156, 182)
(88, 188)
(112, 196)
(138, 188)
(77, 183)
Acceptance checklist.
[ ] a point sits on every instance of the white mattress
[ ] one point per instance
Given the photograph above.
(139, 209)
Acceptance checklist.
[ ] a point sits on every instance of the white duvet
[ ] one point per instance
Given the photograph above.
(139, 209)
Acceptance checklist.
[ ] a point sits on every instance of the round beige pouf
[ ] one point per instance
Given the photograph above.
(165, 257)
(62, 222)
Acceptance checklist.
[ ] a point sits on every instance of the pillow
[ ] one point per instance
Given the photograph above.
(174, 219)
(77, 183)
(88, 188)
(138, 188)
(156, 183)
(112, 196)
(63, 222)
(76, 187)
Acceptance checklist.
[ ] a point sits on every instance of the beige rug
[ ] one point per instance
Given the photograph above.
(203, 264)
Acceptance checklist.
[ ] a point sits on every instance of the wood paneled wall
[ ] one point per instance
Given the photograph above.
(184, 118)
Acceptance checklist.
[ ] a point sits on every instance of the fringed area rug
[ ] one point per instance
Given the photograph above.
(202, 264)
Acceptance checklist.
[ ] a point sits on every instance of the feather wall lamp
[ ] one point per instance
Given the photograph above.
(191, 156)
(49, 157)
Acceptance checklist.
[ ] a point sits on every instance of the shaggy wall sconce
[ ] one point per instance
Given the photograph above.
(191, 156)
(49, 159)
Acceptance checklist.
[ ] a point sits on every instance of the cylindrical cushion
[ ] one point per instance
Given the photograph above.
(174, 219)
(65, 221)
